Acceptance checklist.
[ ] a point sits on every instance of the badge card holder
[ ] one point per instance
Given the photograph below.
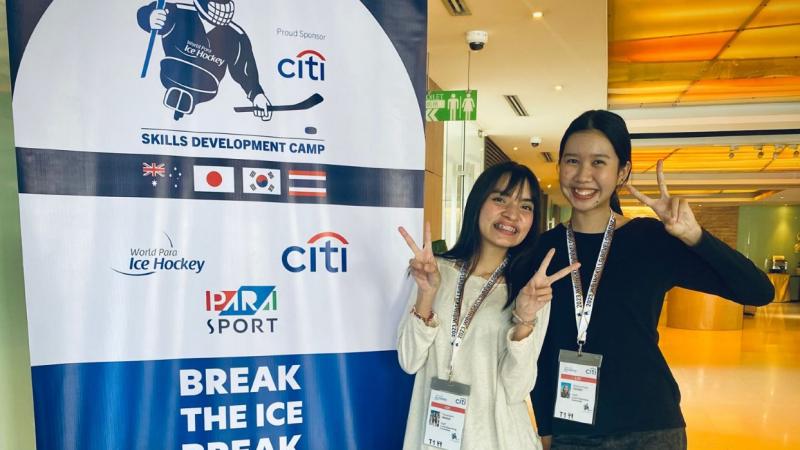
(447, 409)
(579, 372)
(578, 382)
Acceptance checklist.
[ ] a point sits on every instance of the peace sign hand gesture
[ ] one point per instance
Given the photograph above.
(674, 212)
(423, 265)
(537, 293)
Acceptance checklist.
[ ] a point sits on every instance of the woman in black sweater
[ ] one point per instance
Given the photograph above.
(635, 403)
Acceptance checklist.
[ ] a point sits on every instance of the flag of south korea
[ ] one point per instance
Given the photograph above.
(213, 179)
(261, 181)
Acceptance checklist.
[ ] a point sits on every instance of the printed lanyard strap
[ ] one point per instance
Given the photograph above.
(583, 310)
(457, 332)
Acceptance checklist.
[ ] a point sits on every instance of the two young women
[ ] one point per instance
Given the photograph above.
(637, 405)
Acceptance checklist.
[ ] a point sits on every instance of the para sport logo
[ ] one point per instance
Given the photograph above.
(326, 250)
(246, 301)
(303, 66)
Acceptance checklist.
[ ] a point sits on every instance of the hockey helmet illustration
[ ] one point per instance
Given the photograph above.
(219, 12)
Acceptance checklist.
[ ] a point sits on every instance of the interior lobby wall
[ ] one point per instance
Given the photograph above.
(721, 221)
(769, 230)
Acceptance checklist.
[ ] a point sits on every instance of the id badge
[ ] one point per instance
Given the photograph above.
(447, 409)
(578, 378)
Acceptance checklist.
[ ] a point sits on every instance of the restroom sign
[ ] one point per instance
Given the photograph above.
(442, 106)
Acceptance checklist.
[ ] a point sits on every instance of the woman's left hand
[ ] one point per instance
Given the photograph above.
(537, 293)
(674, 212)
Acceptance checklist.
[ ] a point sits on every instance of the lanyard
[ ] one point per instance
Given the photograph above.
(457, 332)
(583, 310)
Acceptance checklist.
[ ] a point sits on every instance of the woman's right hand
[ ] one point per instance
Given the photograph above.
(423, 265)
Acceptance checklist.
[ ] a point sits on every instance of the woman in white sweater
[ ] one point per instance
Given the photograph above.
(476, 322)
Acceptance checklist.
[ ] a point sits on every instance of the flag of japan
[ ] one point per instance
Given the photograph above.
(213, 179)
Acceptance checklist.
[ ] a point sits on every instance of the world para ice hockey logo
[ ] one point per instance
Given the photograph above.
(201, 45)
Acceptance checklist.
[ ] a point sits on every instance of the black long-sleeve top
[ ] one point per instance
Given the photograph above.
(637, 391)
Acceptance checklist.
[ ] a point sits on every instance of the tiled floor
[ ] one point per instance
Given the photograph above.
(741, 389)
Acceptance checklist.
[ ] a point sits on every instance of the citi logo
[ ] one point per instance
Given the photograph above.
(308, 64)
(325, 251)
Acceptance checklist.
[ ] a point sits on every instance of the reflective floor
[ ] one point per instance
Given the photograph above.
(741, 389)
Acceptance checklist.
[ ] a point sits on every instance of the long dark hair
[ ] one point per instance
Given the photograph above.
(614, 129)
(468, 246)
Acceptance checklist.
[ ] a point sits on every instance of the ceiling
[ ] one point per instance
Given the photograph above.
(694, 79)
(703, 52)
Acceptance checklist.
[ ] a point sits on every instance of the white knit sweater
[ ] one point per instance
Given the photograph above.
(500, 372)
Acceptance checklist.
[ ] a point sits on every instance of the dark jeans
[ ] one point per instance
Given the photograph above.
(671, 439)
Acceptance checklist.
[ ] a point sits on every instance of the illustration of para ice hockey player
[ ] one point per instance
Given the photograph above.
(201, 42)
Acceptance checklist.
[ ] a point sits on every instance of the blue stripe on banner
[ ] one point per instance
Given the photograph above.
(22, 18)
(308, 183)
(349, 401)
(60, 172)
(407, 27)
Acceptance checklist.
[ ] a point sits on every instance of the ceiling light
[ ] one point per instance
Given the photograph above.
(516, 148)
(457, 7)
(537, 14)
(516, 105)
(558, 87)
(549, 186)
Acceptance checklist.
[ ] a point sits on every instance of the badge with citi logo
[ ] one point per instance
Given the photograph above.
(579, 372)
(577, 386)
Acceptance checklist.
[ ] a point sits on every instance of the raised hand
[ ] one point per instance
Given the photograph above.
(423, 265)
(537, 292)
(674, 212)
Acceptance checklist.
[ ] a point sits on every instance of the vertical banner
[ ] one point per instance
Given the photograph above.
(209, 198)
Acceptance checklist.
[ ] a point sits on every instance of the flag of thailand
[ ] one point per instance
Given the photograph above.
(307, 183)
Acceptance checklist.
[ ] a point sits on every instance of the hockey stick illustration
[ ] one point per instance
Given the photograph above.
(153, 33)
(308, 103)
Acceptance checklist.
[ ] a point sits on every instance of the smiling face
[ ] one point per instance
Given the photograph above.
(589, 171)
(506, 219)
